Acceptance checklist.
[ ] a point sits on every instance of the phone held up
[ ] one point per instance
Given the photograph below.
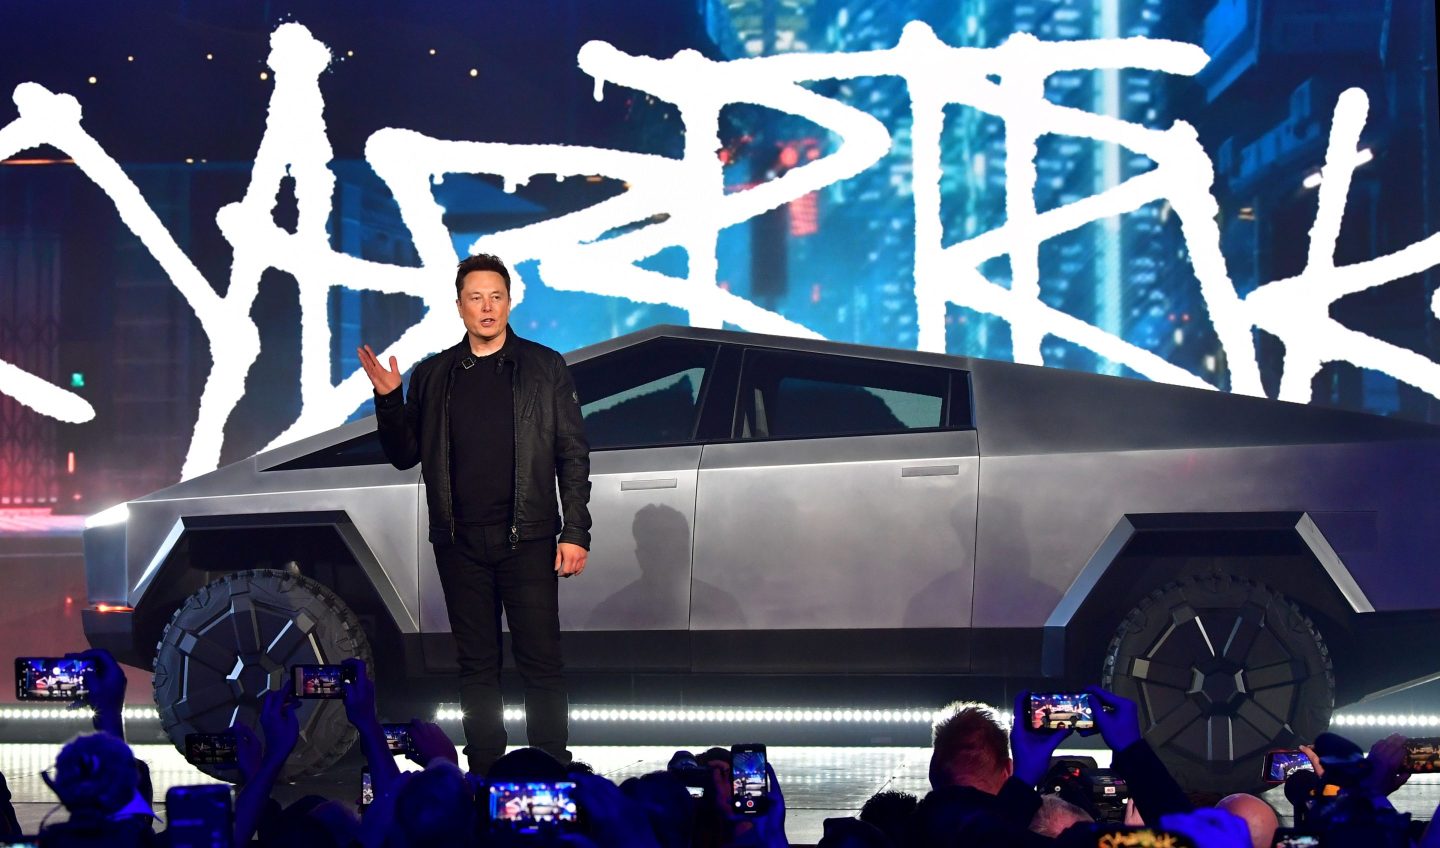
(1050, 711)
(749, 781)
(321, 681)
(534, 807)
(212, 749)
(397, 738)
(1280, 764)
(51, 678)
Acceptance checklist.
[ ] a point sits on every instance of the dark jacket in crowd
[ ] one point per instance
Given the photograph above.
(549, 440)
(1153, 790)
(962, 816)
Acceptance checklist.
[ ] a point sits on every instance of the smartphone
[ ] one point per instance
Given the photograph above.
(1062, 711)
(1422, 755)
(749, 782)
(211, 749)
(1279, 765)
(51, 678)
(320, 681)
(367, 789)
(531, 807)
(199, 816)
(1287, 838)
(397, 738)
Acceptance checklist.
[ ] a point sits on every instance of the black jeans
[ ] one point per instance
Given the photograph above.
(481, 574)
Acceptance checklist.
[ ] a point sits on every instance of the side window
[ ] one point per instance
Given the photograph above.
(792, 395)
(646, 395)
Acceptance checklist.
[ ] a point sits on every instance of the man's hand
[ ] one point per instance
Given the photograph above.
(280, 724)
(359, 693)
(385, 380)
(569, 559)
(1118, 719)
(428, 742)
(105, 684)
(1031, 749)
(1387, 767)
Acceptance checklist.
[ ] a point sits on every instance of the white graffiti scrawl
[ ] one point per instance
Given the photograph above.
(1006, 81)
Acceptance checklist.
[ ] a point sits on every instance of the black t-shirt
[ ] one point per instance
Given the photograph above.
(482, 440)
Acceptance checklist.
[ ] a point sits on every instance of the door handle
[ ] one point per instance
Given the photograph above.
(657, 483)
(929, 471)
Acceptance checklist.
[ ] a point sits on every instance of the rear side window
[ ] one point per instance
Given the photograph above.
(795, 395)
(646, 395)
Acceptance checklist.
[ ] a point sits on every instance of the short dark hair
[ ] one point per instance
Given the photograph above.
(971, 749)
(480, 262)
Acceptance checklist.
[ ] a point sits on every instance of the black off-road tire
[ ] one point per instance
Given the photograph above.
(234, 640)
(1223, 669)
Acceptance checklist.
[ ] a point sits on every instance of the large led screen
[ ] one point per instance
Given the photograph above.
(205, 207)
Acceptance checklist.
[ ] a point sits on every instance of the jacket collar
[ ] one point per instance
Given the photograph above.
(508, 352)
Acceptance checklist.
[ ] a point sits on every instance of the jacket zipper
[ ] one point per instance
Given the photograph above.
(515, 453)
(445, 423)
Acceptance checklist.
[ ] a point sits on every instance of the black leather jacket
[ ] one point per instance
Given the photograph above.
(549, 445)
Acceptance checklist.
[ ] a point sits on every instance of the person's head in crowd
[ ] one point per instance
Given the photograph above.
(579, 767)
(310, 822)
(891, 813)
(1259, 817)
(436, 808)
(524, 764)
(970, 749)
(666, 804)
(95, 777)
(850, 832)
(1056, 815)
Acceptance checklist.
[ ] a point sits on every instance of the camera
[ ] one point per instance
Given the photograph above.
(1100, 792)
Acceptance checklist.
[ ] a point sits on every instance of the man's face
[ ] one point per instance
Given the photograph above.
(484, 304)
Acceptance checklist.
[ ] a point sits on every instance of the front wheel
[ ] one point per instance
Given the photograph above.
(1223, 669)
(234, 640)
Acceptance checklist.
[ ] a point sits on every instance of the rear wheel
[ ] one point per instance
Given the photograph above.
(1223, 669)
(234, 640)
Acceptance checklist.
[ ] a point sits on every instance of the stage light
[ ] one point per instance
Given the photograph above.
(474, 72)
(129, 58)
(209, 57)
(92, 80)
(432, 51)
(350, 53)
(264, 75)
(1362, 156)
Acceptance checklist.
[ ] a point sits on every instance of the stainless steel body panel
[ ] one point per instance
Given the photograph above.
(1042, 517)
(379, 500)
(637, 577)
(835, 534)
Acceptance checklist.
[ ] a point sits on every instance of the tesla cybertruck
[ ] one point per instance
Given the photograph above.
(1237, 565)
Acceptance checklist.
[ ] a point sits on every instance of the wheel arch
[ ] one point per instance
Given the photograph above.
(326, 545)
(1285, 550)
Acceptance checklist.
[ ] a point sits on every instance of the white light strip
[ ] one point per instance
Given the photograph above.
(1385, 720)
(710, 715)
(19, 712)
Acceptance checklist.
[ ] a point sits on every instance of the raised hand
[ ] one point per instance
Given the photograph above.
(385, 380)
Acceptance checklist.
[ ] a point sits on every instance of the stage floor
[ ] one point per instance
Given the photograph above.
(818, 782)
